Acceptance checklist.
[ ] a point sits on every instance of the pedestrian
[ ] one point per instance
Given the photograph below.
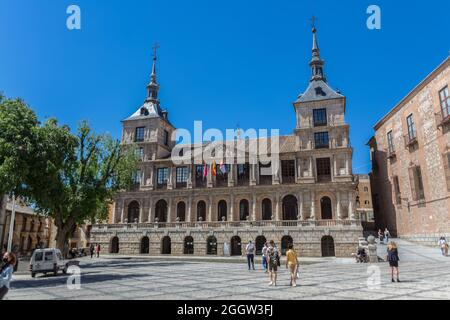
(98, 250)
(393, 259)
(6, 271)
(272, 261)
(264, 256)
(292, 264)
(250, 251)
(443, 245)
(387, 235)
(91, 250)
(380, 236)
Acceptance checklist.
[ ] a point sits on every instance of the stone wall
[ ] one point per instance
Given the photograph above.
(307, 241)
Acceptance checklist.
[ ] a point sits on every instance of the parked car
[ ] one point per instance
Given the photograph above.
(47, 261)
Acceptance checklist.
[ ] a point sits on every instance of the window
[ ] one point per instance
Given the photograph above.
(137, 177)
(48, 256)
(140, 153)
(411, 127)
(323, 169)
(398, 195)
(415, 175)
(243, 171)
(366, 189)
(288, 171)
(166, 137)
(162, 174)
(38, 256)
(139, 137)
(391, 148)
(445, 102)
(182, 174)
(320, 117)
(321, 140)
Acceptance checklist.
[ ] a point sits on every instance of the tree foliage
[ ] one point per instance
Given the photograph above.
(68, 177)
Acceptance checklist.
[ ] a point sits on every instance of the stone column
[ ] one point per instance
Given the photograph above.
(209, 182)
(347, 164)
(300, 205)
(210, 200)
(313, 205)
(254, 208)
(277, 170)
(311, 173)
(151, 174)
(189, 210)
(231, 175)
(169, 210)
(141, 211)
(335, 165)
(338, 205)
(277, 208)
(351, 208)
(122, 210)
(189, 177)
(151, 214)
(231, 218)
(252, 174)
(169, 178)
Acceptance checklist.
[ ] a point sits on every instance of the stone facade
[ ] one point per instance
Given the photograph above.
(411, 162)
(308, 197)
(30, 230)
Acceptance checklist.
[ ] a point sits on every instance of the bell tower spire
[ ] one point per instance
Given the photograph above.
(153, 86)
(316, 62)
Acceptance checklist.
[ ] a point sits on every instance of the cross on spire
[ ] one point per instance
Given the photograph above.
(155, 48)
(313, 21)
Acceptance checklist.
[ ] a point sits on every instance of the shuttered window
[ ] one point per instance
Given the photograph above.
(446, 158)
(416, 182)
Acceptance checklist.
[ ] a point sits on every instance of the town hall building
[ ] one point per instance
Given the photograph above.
(185, 209)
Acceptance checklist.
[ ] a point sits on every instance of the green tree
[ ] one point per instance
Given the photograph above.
(68, 177)
(78, 176)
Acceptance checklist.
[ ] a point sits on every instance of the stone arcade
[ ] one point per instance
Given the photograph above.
(309, 202)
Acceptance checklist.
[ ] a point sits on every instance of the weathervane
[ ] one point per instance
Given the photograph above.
(155, 47)
(313, 21)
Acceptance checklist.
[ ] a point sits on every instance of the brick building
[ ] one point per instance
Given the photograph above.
(411, 162)
(215, 208)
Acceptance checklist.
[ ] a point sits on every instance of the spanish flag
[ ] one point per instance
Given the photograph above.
(214, 169)
(205, 170)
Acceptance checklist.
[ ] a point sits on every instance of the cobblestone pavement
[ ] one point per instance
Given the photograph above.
(424, 274)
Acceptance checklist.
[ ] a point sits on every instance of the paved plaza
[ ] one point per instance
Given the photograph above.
(424, 274)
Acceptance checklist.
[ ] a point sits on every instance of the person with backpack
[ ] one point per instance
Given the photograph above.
(91, 250)
(393, 259)
(6, 271)
(250, 251)
(273, 258)
(97, 249)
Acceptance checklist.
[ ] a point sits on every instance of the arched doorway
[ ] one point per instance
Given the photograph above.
(325, 208)
(133, 212)
(166, 245)
(222, 210)
(259, 244)
(161, 211)
(327, 246)
(266, 209)
(243, 210)
(285, 241)
(181, 211)
(145, 245)
(211, 245)
(236, 246)
(114, 245)
(201, 210)
(188, 245)
(290, 211)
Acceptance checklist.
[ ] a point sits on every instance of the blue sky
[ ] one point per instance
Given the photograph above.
(223, 62)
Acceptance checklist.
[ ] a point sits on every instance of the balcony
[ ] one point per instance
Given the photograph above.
(391, 154)
(442, 119)
(161, 185)
(227, 224)
(265, 180)
(410, 141)
(324, 178)
(200, 183)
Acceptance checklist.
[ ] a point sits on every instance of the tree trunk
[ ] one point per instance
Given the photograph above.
(62, 238)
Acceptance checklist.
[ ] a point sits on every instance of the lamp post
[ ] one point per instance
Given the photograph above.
(11, 223)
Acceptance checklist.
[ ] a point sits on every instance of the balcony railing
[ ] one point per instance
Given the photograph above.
(442, 119)
(227, 224)
(391, 154)
(410, 141)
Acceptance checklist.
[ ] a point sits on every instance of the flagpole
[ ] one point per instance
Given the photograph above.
(11, 223)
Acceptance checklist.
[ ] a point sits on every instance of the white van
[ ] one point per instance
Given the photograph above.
(46, 261)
